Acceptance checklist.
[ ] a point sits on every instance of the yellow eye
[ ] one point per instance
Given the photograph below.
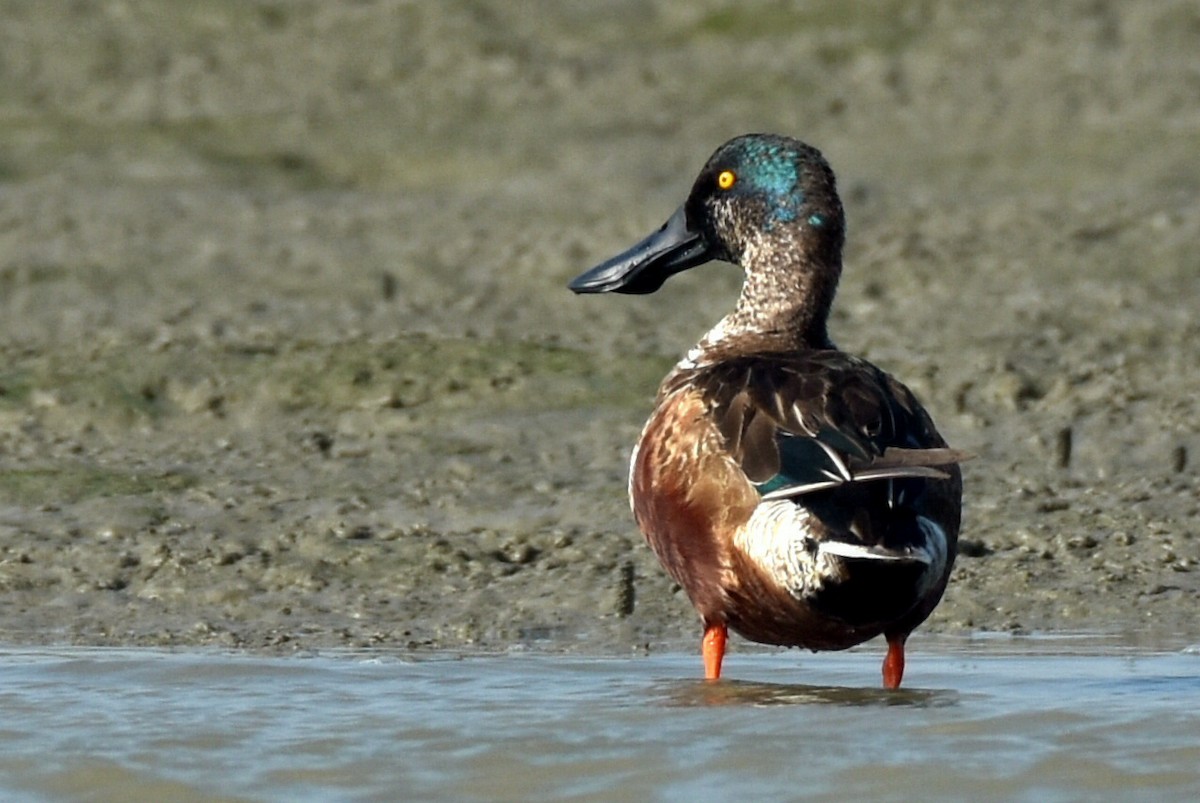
(726, 179)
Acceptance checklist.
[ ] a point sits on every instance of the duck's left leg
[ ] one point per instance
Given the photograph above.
(893, 664)
(713, 648)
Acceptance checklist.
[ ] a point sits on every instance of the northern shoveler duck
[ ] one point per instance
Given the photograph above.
(799, 495)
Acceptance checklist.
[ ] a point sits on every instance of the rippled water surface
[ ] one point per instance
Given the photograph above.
(1049, 720)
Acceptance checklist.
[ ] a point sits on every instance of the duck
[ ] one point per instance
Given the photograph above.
(800, 496)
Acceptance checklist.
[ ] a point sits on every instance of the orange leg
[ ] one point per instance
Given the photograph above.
(713, 648)
(893, 664)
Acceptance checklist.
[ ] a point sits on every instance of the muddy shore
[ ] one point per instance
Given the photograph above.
(287, 362)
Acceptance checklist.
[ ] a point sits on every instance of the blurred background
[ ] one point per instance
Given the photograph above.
(286, 354)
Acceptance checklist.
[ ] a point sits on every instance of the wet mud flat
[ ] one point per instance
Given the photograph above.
(286, 359)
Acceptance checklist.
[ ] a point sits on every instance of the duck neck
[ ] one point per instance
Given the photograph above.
(784, 306)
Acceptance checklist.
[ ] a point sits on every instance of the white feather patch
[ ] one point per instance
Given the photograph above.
(777, 538)
(859, 552)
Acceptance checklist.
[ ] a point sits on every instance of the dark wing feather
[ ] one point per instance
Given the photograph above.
(815, 419)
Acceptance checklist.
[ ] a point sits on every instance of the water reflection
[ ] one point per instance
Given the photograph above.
(687, 694)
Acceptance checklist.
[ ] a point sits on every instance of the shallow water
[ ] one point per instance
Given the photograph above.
(1043, 720)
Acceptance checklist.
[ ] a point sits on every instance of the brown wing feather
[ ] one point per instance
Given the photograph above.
(857, 416)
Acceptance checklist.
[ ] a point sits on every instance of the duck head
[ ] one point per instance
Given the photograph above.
(765, 202)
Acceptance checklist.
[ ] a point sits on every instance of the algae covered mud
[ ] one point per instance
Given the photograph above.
(286, 359)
